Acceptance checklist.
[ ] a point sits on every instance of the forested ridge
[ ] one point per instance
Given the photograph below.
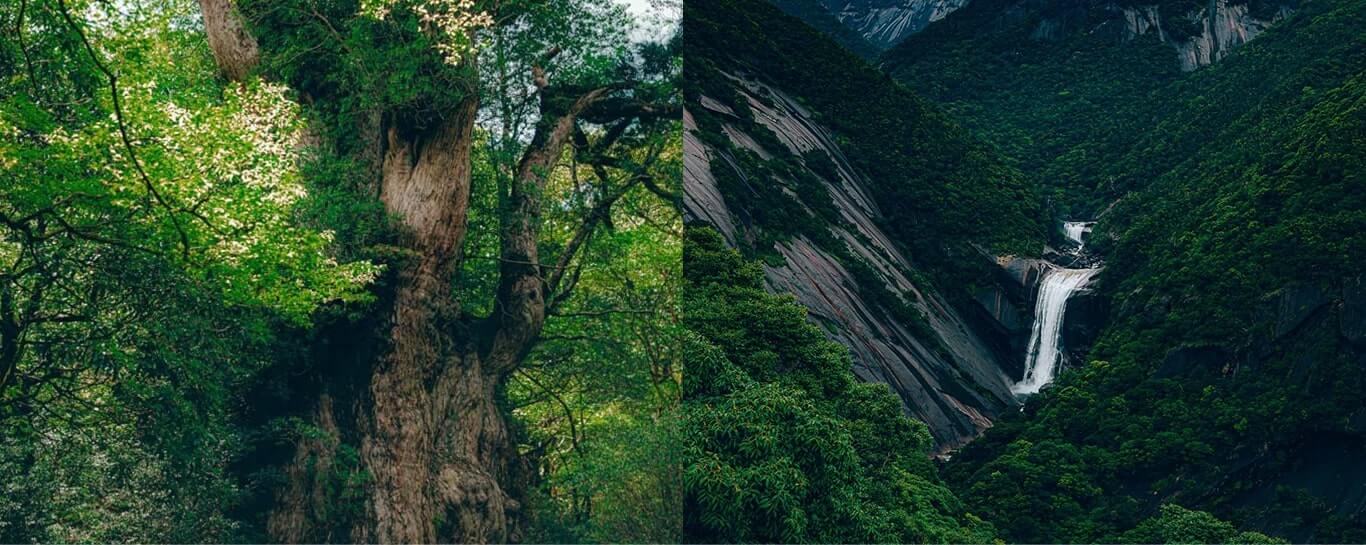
(335, 271)
(1231, 228)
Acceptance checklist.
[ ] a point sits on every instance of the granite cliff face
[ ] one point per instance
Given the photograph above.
(951, 370)
(1211, 32)
(884, 23)
(880, 23)
(1200, 36)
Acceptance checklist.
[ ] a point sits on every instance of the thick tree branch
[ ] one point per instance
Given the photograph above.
(617, 108)
(538, 76)
(526, 289)
(520, 301)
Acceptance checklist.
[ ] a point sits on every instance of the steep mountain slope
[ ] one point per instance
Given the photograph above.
(1059, 85)
(785, 445)
(859, 208)
(879, 24)
(1230, 376)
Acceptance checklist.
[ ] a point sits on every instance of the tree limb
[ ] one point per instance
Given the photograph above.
(520, 301)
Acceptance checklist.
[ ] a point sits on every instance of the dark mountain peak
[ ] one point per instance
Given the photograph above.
(878, 24)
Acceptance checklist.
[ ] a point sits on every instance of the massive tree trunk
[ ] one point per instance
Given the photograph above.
(433, 442)
(440, 463)
(422, 405)
(234, 48)
(433, 439)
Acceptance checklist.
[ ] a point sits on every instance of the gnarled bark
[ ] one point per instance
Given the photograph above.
(234, 48)
(301, 502)
(440, 462)
(433, 441)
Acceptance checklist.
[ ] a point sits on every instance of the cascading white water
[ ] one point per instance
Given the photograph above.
(1076, 230)
(1055, 288)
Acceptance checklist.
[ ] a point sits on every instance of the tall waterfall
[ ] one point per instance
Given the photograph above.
(1075, 230)
(1055, 288)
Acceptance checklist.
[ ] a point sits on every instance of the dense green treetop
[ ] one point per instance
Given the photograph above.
(781, 442)
(154, 248)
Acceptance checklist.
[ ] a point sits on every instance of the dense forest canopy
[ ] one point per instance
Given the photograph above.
(258, 256)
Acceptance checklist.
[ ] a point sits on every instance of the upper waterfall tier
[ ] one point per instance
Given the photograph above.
(1076, 231)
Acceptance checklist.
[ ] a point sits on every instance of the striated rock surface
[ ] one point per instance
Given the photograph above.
(884, 23)
(1200, 37)
(1140, 20)
(1219, 27)
(1005, 308)
(702, 199)
(949, 370)
(876, 25)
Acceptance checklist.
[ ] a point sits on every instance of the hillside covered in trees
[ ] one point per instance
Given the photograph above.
(1219, 399)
